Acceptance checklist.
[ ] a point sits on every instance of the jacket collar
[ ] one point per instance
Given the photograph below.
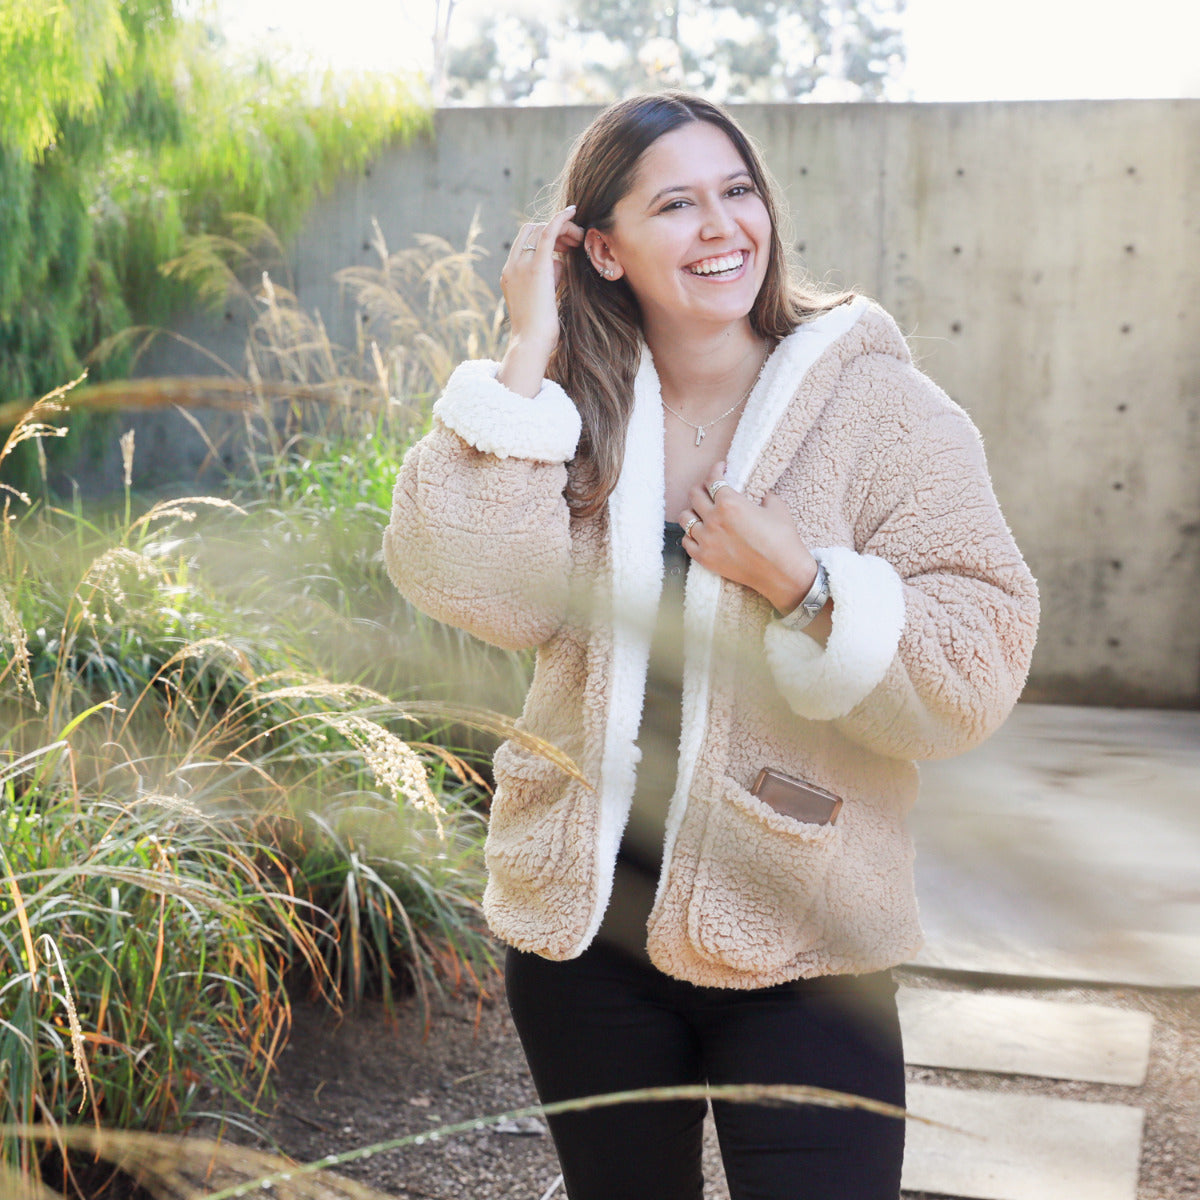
(772, 427)
(768, 435)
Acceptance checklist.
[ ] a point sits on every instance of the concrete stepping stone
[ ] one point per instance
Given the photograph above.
(1026, 1148)
(1067, 846)
(1137, 957)
(1015, 1035)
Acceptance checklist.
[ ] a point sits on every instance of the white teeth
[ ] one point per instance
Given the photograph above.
(715, 266)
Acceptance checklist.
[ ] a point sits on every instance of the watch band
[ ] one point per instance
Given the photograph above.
(807, 610)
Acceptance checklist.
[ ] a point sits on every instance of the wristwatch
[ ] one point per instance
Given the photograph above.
(810, 607)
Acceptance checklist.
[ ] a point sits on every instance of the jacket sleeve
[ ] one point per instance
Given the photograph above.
(479, 532)
(935, 612)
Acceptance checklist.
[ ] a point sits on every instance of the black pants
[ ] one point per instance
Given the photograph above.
(605, 1022)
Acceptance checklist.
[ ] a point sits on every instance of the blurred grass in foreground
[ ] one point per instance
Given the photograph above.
(174, 1169)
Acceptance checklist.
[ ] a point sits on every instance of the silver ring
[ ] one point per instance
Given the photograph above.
(687, 529)
(714, 488)
(528, 247)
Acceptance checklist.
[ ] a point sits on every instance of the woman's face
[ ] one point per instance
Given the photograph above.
(692, 236)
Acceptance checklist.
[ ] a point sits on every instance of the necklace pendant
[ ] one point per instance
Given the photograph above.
(699, 434)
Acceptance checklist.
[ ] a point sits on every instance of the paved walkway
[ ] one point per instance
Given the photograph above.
(1067, 848)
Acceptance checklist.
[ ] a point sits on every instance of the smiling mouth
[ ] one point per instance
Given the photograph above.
(721, 265)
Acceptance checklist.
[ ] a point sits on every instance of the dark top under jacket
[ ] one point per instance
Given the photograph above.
(640, 855)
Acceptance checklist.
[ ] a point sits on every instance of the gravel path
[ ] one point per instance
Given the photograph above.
(364, 1080)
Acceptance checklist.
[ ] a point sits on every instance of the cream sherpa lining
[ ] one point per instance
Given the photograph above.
(499, 421)
(782, 378)
(868, 616)
(636, 511)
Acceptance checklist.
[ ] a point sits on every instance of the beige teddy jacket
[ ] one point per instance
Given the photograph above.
(935, 615)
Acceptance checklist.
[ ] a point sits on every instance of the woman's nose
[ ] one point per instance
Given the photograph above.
(718, 221)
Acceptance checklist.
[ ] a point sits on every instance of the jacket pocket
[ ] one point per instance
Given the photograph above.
(756, 901)
(538, 829)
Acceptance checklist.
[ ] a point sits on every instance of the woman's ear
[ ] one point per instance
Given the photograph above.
(601, 256)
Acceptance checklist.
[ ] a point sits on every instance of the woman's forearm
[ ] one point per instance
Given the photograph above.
(524, 366)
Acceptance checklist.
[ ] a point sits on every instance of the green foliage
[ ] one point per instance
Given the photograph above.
(144, 945)
(125, 128)
(53, 62)
(391, 888)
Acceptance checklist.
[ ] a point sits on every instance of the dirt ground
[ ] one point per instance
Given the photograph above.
(365, 1080)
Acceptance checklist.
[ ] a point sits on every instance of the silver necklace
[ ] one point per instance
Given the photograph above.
(701, 429)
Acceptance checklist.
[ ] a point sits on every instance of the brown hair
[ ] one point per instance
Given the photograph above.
(599, 346)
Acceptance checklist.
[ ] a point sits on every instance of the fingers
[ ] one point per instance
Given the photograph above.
(716, 483)
(698, 507)
(529, 279)
(540, 238)
(561, 233)
(518, 254)
(571, 235)
(704, 504)
(560, 219)
(525, 244)
(537, 250)
(705, 497)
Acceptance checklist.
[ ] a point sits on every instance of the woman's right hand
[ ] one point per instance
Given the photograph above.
(529, 281)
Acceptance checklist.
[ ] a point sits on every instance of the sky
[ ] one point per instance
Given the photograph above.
(957, 49)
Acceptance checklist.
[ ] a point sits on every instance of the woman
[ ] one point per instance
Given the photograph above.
(672, 408)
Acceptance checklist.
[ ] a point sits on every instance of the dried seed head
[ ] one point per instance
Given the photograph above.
(77, 1045)
(108, 577)
(395, 765)
(182, 509)
(13, 632)
(127, 456)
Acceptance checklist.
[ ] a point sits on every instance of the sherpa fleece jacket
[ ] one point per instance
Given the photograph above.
(934, 620)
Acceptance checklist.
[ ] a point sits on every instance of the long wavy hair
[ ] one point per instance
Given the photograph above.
(600, 342)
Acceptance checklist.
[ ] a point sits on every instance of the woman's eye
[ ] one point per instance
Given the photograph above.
(741, 189)
(673, 205)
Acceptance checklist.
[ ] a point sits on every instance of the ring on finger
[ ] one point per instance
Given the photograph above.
(687, 529)
(715, 487)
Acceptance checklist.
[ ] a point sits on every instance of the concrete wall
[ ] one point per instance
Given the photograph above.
(1043, 258)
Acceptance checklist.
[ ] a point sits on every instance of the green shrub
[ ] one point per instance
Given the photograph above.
(145, 945)
(126, 127)
(191, 819)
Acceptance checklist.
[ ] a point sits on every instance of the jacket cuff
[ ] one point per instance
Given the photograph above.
(498, 421)
(868, 616)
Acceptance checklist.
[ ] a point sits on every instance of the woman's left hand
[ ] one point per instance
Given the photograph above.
(757, 545)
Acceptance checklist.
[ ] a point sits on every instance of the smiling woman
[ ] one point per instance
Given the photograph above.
(761, 562)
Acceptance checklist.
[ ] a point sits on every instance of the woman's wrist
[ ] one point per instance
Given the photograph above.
(524, 366)
(807, 585)
(792, 578)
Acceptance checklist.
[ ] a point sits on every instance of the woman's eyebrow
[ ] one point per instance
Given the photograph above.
(687, 187)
